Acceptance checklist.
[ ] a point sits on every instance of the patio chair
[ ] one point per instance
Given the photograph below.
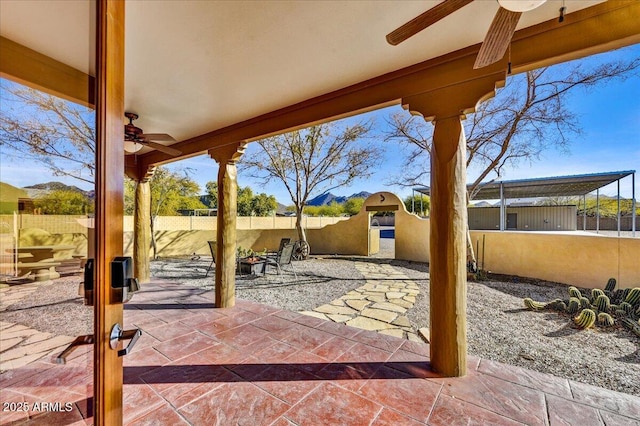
(283, 242)
(212, 249)
(282, 259)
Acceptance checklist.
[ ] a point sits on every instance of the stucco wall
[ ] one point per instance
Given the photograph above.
(581, 260)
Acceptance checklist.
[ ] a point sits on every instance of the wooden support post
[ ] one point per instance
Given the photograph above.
(142, 228)
(448, 248)
(226, 157)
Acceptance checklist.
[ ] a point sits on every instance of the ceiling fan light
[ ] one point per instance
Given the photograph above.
(520, 5)
(132, 147)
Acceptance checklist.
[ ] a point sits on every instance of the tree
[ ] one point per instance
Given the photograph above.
(314, 160)
(37, 127)
(247, 203)
(64, 202)
(530, 115)
(353, 205)
(418, 203)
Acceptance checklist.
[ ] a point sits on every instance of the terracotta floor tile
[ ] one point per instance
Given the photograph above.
(392, 418)
(234, 403)
(454, 412)
(223, 354)
(147, 357)
(380, 341)
(256, 308)
(184, 393)
(272, 323)
(306, 361)
(333, 348)
(333, 405)
(203, 317)
(309, 321)
(616, 402)
(345, 376)
(360, 353)
(163, 415)
(185, 345)
(504, 398)
(338, 329)
(243, 335)
(287, 383)
(394, 389)
(618, 420)
(417, 348)
(303, 337)
(138, 399)
(533, 379)
(567, 412)
(414, 364)
(169, 331)
(275, 353)
(238, 318)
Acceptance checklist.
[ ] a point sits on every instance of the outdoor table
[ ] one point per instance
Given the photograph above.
(251, 266)
(42, 263)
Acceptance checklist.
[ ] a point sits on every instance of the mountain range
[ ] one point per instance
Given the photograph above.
(328, 198)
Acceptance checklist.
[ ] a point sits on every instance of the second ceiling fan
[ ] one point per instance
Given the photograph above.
(497, 39)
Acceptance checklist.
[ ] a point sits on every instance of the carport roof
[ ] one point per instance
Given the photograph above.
(558, 186)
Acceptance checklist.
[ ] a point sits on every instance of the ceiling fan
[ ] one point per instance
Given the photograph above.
(497, 39)
(135, 139)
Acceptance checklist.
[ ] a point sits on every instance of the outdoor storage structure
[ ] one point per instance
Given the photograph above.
(525, 218)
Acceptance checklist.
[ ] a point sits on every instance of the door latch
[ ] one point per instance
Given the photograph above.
(118, 334)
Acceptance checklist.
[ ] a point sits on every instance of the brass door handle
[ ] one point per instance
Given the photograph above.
(118, 334)
(79, 341)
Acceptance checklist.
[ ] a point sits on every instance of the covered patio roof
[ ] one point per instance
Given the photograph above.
(557, 186)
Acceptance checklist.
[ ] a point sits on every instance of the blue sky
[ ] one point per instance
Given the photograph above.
(609, 116)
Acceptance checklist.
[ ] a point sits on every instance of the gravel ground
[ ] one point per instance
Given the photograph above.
(498, 327)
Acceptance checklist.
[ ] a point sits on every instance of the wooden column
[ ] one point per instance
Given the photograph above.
(109, 206)
(142, 228)
(448, 218)
(226, 157)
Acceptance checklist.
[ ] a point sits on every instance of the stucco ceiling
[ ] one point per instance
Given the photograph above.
(196, 66)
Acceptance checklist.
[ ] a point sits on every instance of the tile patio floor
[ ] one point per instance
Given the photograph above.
(258, 365)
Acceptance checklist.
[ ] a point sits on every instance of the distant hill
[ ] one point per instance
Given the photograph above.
(42, 188)
(327, 198)
(10, 196)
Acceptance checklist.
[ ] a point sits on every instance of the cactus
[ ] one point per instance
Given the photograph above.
(533, 305)
(611, 285)
(620, 313)
(574, 305)
(574, 292)
(621, 295)
(585, 303)
(633, 326)
(633, 298)
(595, 293)
(627, 308)
(586, 319)
(605, 320)
(602, 303)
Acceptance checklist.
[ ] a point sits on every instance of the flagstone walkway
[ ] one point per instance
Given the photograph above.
(21, 345)
(379, 305)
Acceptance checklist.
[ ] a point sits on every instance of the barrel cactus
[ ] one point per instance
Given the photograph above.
(585, 302)
(574, 305)
(611, 285)
(533, 305)
(574, 292)
(602, 303)
(633, 298)
(595, 293)
(586, 319)
(605, 320)
(627, 308)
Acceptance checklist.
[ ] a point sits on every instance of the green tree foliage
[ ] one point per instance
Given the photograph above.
(418, 203)
(248, 203)
(353, 205)
(170, 192)
(314, 160)
(63, 202)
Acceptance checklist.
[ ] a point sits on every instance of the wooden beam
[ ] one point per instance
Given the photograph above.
(33, 69)
(592, 30)
(109, 207)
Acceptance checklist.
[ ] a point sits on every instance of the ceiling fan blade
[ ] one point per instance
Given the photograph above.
(167, 150)
(158, 137)
(424, 20)
(498, 37)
